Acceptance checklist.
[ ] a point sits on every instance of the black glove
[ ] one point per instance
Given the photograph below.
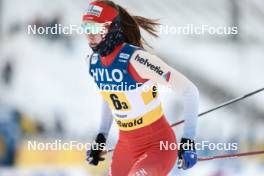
(187, 156)
(94, 155)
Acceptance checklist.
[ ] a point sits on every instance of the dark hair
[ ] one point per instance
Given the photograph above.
(130, 25)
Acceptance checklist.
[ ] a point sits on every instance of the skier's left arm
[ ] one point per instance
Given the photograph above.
(153, 68)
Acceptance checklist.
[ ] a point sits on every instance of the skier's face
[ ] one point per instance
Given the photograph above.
(94, 39)
(95, 32)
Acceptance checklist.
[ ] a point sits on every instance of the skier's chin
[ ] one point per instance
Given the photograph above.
(93, 45)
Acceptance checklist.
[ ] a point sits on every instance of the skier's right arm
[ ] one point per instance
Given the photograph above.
(94, 154)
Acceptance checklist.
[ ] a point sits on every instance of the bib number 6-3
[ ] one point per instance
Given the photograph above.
(117, 103)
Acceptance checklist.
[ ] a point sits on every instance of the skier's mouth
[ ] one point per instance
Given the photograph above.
(92, 45)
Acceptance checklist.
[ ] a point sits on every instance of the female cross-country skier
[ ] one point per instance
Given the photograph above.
(127, 77)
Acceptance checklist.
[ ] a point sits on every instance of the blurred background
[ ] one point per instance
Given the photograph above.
(46, 93)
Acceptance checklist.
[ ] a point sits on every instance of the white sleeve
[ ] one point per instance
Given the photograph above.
(151, 67)
(106, 119)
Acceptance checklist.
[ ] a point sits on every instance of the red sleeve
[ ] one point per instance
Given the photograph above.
(134, 74)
